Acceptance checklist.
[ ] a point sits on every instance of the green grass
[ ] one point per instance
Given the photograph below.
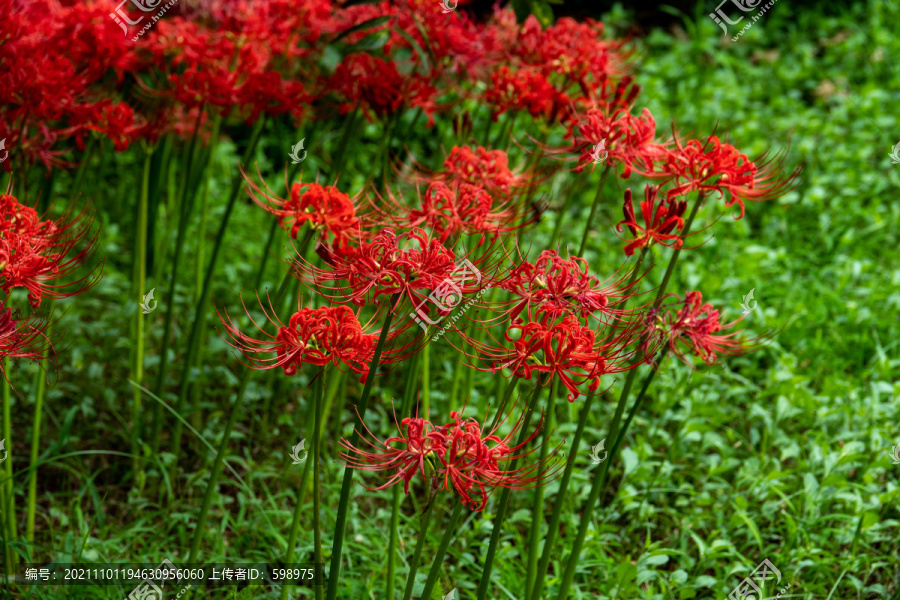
(781, 454)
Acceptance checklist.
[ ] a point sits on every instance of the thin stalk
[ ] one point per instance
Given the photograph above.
(223, 447)
(558, 504)
(449, 532)
(9, 495)
(317, 491)
(185, 205)
(537, 511)
(420, 545)
(338, 544)
(600, 480)
(426, 396)
(137, 370)
(485, 582)
(40, 387)
(79, 174)
(273, 229)
(408, 392)
(510, 388)
(200, 311)
(590, 221)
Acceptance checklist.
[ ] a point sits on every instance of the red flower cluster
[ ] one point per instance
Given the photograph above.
(663, 220)
(696, 326)
(324, 208)
(460, 455)
(316, 336)
(35, 252)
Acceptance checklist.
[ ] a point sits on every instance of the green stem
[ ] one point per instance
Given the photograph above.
(186, 208)
(426, 396)
(553, 528)
(587, 225)
(537, 511)
(137, 373)
(9, 497)
(40, 387)
(485, 582)
(510, 388)
(449, 532)
(200, 311)
(338, 544)
(317, 492)
(223, 447)
(420, 545)
(600, 479)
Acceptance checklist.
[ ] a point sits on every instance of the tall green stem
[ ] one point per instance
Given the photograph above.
(40, 387)
(537, 510)
(200, 311)
(137, 372)
(186, 208)
(317, 492)
(600, 479)
(9, 495)
(223, 446)
(420, 545)
(449, 532)
(590, 221)
(485, 582)
(555, 516)
(338, 544)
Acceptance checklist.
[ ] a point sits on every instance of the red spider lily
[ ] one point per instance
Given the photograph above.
(411, 264)
(460, 455)
(561, 347)
(662, 220)
(22, 338)
(695, 325)
(716, 167)
(524, 90)
(556, 286)
(34, 252)
(325, 208)
(626, 139)
(450, 212)
(316, 336)
(488, 169)
(375, 85)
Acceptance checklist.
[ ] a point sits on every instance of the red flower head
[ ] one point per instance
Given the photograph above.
(22, 338)
(662, 220)
(555, 286)
(411, 264)
(325, 208)
(488, 169)
(619, 136)
(460, 455)
(524, 90)
(449, 212)
(34, 252)
(561, 347)
(377, 86)
(316, 336)
(716, 167)
(695, 325)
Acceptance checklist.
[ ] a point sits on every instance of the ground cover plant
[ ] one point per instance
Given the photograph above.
(452, 307)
